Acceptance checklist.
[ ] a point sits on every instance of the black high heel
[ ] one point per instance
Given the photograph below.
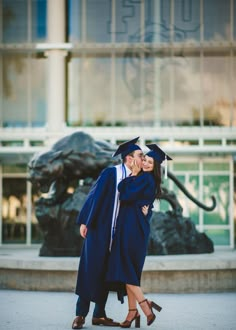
(151, 317)
(127, 323)
(155, 306)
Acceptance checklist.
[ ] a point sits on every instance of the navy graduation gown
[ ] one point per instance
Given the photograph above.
(96, 214)
(129, 246)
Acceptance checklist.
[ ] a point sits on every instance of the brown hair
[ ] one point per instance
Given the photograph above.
(157, 177)
(130, 154)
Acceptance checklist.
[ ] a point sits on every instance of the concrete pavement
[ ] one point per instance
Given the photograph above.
(37, 310)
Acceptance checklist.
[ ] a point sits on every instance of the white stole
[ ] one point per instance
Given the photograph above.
(122, 171)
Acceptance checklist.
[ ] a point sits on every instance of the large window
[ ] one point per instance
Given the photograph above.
(23, 21)
(23, 100)
(217, 90)
(145, 88)
(204, 178)
(216, 17)
(18, 225)
(146, 79)
(90, 91)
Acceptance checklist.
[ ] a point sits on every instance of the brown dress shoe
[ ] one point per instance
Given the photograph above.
(105, 321)
(78, 322)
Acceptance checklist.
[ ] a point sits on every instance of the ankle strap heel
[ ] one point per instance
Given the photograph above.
(150, 317)
(127, 323)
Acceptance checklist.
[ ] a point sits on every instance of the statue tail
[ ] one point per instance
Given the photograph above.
(190, 196)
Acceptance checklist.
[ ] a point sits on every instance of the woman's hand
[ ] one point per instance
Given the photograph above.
(83, 231)
(145, 209)
(135, 168)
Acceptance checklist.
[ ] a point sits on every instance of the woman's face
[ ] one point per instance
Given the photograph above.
(148, 164)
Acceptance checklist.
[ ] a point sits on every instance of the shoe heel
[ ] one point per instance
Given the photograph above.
(137, 322)
(155, 306)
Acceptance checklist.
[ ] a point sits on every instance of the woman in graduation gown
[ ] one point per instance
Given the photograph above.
(128, 252)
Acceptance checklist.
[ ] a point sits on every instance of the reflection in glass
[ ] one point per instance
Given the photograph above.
(128, 21)
(128, 83)
(96, 91)
(98, 27)
(142, 88)
(217, 96)
(38, 91)
(74, 112)
(157, 21)
(24, 91)
(14, 101)
(217, 185)
(219, 237)
(15, 20)
(216, 17)
(39, 20)
(14, 210)
(92, 77)
(214, 166)
(190, 209)
(187, 20)
(187, 90)
(185, 167)
(74, 20)
(234, 20)
(19, 25)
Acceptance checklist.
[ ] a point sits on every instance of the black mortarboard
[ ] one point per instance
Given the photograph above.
(157, 153)
(127, 147)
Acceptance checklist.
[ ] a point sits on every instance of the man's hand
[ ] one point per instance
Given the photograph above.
(83, 231)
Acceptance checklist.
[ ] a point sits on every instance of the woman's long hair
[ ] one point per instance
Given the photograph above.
(157, 177)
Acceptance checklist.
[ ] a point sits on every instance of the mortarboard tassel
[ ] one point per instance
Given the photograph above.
(165, 167)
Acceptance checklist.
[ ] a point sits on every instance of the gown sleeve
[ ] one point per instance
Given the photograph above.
(133, 188)
(95, 199)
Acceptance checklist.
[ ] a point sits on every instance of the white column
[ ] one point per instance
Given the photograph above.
(56, 25)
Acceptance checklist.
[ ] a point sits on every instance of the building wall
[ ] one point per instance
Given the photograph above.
(162, 68)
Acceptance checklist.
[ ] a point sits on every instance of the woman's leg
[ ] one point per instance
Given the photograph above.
(132, 304)
(133, 313)
(145, 304)
(131, 298)
(138, 295)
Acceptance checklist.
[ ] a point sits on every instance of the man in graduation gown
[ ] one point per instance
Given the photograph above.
(97, 220)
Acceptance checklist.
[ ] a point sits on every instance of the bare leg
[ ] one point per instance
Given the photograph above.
(139, 296)
(131, 303)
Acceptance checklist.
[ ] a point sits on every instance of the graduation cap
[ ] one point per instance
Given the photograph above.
(127, 147)
(158, 154)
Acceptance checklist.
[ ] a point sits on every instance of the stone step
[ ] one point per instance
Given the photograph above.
(23, 269)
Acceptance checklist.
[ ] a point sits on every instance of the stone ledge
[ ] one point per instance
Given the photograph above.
(28, 259)
(23, 269)
(211, 261)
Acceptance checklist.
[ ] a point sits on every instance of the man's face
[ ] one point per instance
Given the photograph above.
(138, 157)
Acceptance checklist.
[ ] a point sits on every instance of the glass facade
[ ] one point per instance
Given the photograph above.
(24, 94)
(19, 224)
(204, 178)
(160, 60)
(141, 63)
(23, 21)
(149, 63)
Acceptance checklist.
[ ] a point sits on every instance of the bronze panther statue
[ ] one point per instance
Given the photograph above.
(78, 157)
